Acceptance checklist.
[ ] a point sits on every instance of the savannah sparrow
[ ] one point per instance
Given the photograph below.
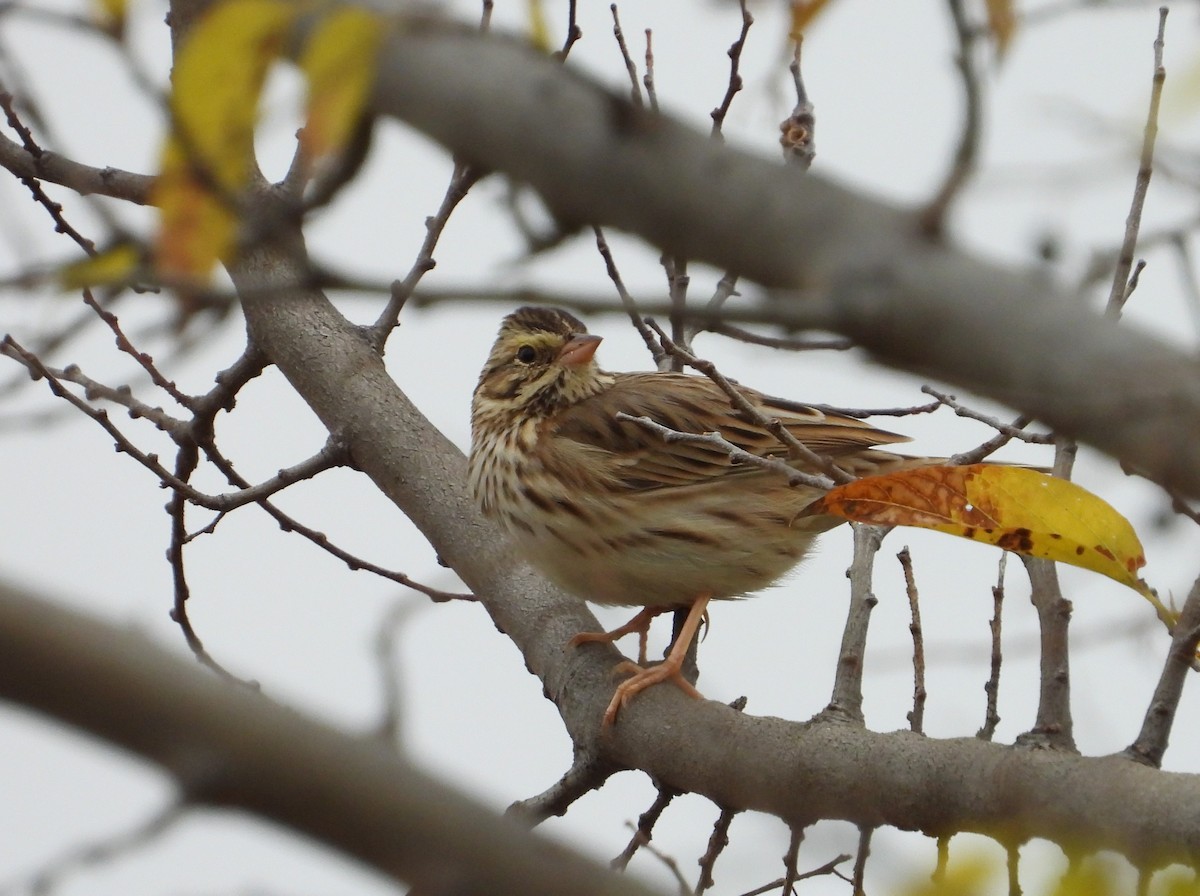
(614, 513)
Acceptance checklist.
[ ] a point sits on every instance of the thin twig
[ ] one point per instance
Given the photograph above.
(648, 77)
(717, 842)
(933, 217)
(787, 889)
(787, 343)
(186, 461)
(105, 850)
(61, 225)
(1151, 742)
(797, 132)
(1181, 243)
(1053, 727)
(725, 289)
(943, 859)
(1120, 285)
(677, 288)
(1012, 430)
(992, 688)
(735, 76)
(320, 539)
(125, 344)
(574, 32)
(644, 831)
(862, 413)
(794, 310)
(635, 91)
(796, 448)
(737, 455)
(661, 358)
(390, 726)
(587, 773)
(916, 718)
(860, 860)
(791, 860)
(1012, 862)
(462, 178)
(846, 702)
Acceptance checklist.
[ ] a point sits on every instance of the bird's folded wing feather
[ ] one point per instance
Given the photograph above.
(637, 457)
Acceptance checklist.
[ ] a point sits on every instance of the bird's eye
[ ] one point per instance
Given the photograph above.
(526, 354)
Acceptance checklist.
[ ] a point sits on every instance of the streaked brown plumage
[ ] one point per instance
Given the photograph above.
(610, 511)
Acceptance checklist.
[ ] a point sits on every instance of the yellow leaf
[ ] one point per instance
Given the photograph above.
(339, 63)
(1002, 23)
(216, 83)
(1014, 508)
(803, 13)
(111, 14)
(117, 264)
(539, 31)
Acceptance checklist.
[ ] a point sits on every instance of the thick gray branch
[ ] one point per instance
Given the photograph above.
(596, 159)
(796, 771)
(229, 747)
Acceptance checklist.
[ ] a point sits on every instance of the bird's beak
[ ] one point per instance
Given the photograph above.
(579, 350)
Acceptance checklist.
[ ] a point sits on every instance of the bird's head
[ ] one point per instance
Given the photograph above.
(542, 360)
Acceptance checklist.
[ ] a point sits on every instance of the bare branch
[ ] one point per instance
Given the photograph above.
(717, 842)
(735, 76)
(648, 77)
(916, 718)
(736, 455)
(1151, 742)
(587, 773)
(1122, 285)
(798, 131)
(100, 852)
(1124, 391)
(230, 748)
(1053, 727)
(791, 344)
(635, 92)
(860, 860)
(992, 688)
(1013, 431)
(645, 827)
(462, 179)
(796, 448)
(627, 302)
(83, 179)
(933, 216)
(574, 32)
(846, 702)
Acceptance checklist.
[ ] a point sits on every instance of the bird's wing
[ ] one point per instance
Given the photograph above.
(636, 457)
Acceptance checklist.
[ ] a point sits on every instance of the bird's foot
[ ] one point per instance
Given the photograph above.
(670, 668)
(642, 678)
(639, 623)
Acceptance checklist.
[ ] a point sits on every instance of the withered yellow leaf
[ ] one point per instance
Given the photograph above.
(1014, 508)
(803, 13)
(539, 29)
(339, 64)
(215, 87)
(111, 14)
(1002, 23)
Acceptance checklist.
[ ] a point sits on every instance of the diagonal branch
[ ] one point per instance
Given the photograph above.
(800, 772)
(935, 310)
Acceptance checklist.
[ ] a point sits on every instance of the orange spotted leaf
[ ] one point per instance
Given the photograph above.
(1014, 508)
